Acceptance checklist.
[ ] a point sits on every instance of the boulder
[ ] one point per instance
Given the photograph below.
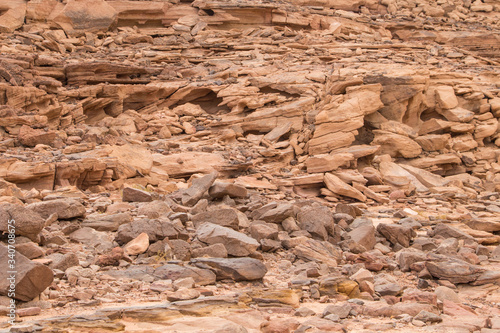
(316, 220)
(156, 230)
(236, 243)
(31, 278)
(137, 245)
(454, 270)
(364, 235)
(337, 186)
(226, 217)
(397, 234)
(27, 223)
(221, 189)
(174, 272)
(197, 189)
(64, 208)
(237, 269)
(131, 194)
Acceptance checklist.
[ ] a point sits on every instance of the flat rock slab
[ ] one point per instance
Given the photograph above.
(237, 269)
(455, 271)
(175, 272)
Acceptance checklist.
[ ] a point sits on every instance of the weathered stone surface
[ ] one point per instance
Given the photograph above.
(26, 221)
(64, 208)
(455, 271)
(236, 243)
(316, 220)
(137, 245)
(336, 185)
(174, 272)
(30, 278)
(225, 217)
(237, 269)
(221, 189)
(198, 189)
(77, 17)
(131, 194)
(397, 234)
(155, 229)
(364, 235)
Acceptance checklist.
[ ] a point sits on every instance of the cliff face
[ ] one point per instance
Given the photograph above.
(326, 119)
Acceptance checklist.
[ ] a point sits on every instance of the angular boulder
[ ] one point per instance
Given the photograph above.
(236, 243)
(28, 223)
(237, 269)
(31, 278)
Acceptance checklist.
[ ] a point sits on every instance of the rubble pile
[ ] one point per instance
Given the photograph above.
(257, 166)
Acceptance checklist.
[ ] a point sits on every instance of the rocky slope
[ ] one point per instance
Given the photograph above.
(257, 166)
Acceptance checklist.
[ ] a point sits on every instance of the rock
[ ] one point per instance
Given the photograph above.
(455, 271)
(304, 312)
(172, 272)
(237, 269)
(31, 137)
(155, 229)
(407, 257)
(182, 294)
(138, 245)
(13, 15)
(90, 237)
(29, 280)
(216, 251)
(221, 189)
(64, 208)
(278, 214)
(154, 209)
(198, 189)
(30, 250)
(280, 325)
(447, 231)
(364, 235)
(236, 243)
(337, 186)
(445, 293)
(111, 259)
(181, 249)
(27, 222)
(318, 251)
(397, 234)
(428, 317)
(316, 220)
(110, 222)
(131, 194)
(386, 286)
(78, 17)
(261, 231)
(334, 286)
(342, 310)
(132, 160)
(226, 217)
(445, 97)
(63, 261)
